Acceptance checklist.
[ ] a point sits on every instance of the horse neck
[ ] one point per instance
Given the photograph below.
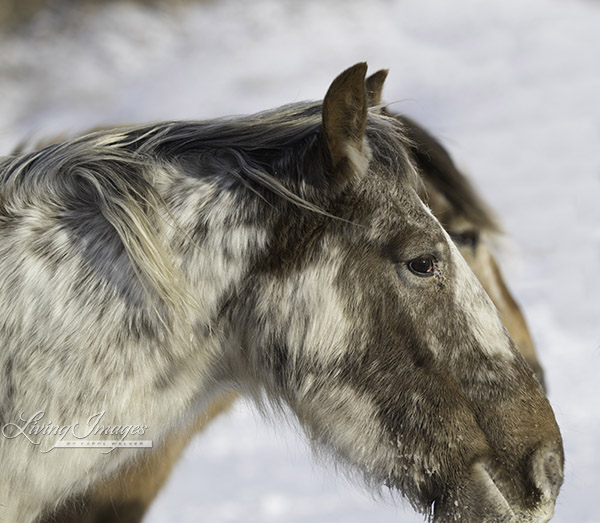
(218, 233)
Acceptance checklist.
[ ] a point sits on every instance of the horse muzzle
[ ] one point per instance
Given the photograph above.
(482, 499)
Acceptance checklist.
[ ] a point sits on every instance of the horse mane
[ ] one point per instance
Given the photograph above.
(437, 168)
(89, 171)
(276, 150)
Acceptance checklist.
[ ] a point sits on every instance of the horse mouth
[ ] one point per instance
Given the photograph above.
(481, 499)
(496, 505)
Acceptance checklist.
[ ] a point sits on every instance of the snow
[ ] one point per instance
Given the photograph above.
(510, 87)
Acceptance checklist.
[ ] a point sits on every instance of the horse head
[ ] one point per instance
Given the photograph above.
(366, 320)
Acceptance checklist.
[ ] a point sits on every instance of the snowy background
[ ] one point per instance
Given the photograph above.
(510, 87)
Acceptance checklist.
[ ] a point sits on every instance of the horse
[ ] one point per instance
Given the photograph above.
(472, 226)
(285, 255)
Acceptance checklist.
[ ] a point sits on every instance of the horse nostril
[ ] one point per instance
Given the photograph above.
(548, 472)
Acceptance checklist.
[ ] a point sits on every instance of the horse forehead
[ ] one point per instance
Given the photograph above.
(402, 210)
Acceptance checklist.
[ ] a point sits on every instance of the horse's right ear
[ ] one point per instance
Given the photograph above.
(344, 121)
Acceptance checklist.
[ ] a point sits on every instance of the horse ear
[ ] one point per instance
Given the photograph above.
(345, 118)
(375, 87)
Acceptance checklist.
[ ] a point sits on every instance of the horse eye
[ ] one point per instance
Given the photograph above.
(422, 266)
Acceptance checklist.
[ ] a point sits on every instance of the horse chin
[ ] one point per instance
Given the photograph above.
(481, 500)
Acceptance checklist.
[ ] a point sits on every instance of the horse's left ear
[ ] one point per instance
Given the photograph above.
(344, 121)
(375, 87)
